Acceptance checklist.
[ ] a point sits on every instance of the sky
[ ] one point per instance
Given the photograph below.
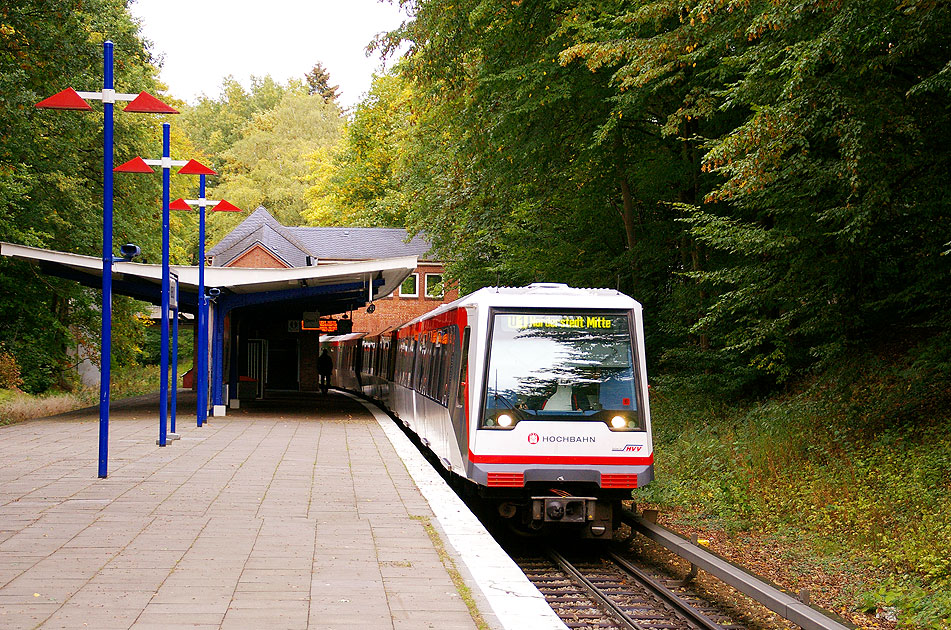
(203, 41)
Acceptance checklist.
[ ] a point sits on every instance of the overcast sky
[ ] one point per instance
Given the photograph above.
(203, 41)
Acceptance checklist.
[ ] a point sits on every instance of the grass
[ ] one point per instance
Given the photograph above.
(464, 592)
(16, 406)
(850, 474)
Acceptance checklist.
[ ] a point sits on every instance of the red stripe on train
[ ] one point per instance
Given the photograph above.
(561, 459)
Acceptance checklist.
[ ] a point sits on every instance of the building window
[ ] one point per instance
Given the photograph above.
(410, 286)
(434, 288)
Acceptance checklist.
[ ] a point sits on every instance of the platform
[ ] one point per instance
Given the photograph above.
(286, 514)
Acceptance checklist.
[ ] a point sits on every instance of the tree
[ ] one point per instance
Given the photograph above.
(357, 182)
(763, 176)
(528, 166)
(215, 124)
(50, 177)
(268, 164)
(318, 82)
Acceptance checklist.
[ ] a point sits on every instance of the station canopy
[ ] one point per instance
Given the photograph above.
(330, 288)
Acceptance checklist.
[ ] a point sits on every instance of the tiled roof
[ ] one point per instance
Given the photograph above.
(339, 243)
(294, 244)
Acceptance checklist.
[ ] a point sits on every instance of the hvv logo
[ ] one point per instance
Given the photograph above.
(629, 448)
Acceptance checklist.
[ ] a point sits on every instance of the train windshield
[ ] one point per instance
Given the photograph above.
(565, 366)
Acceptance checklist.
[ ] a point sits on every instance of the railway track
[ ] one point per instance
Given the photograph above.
(609, 592)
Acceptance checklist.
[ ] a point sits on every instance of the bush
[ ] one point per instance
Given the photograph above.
(151, 353)
(9, 372)
(855, 463)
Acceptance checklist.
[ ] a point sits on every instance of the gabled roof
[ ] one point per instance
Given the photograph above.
(292, 245)
(262, 229)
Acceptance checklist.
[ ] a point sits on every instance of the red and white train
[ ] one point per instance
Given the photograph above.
(534, 398)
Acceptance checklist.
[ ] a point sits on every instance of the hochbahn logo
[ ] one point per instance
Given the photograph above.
(560, 439)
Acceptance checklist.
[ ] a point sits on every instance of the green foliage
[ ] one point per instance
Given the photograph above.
(356, 182)
(141, 380)
(151, 350)
(766, 178)
(268, 164)
(261, 142)
(856, 464)
(10, 378)
(919, 607)
(50, 175)
(215, 124)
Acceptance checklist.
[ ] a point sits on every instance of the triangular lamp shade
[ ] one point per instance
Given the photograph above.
(224, 206)
(179, 204)
(145, 103)
(194, 167)
(67, 99)
(135, 165)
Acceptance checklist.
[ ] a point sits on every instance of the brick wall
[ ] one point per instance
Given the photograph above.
(390, 311)
(258, 258)
(396, 309)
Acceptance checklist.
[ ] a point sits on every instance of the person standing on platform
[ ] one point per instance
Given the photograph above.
(325, 367)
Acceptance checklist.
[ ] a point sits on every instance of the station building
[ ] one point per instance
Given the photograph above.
(277, 350)
(273, 290)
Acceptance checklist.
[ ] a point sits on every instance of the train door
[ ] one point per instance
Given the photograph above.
(459, 385)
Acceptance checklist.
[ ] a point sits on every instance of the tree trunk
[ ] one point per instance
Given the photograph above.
(627, 212)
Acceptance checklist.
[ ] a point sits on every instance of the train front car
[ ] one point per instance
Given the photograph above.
(562, 432)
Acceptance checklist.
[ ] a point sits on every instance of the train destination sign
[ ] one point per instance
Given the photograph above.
(521, 322)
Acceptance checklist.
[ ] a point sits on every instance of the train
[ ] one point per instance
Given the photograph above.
(534, 399)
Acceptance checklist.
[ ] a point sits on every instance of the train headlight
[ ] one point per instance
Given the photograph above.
(505, 420)
(621, 422)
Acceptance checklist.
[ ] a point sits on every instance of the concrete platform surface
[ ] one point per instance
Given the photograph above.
(285, 514)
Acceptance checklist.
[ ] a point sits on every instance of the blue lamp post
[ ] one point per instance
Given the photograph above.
(70, 99)
(193, 168)
(138, 165)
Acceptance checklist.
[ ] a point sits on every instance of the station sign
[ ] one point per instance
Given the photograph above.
(329, 326)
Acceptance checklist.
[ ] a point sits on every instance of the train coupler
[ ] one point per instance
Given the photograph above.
(595, 517)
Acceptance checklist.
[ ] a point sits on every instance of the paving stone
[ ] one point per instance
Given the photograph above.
(298, 517)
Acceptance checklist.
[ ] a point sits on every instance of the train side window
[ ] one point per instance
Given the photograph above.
(463, 368)
(435, 371)
(403, 362)
(408, 360)
(391, 359)
(414, 359)
(421, 366)
(450, 355)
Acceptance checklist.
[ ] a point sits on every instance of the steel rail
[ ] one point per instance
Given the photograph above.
(665, 593)
(783, 604)
(594, 591)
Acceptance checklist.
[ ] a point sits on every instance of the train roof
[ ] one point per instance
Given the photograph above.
(541, 295)
(537, 295)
